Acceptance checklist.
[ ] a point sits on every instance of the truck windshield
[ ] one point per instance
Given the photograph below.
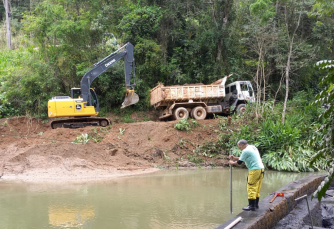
(250, 89)
(246, 86)
(243, 86)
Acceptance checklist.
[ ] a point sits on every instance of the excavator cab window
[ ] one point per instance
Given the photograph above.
(94, 97)
(75, 93)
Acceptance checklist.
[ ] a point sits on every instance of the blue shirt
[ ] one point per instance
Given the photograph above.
(251, 156)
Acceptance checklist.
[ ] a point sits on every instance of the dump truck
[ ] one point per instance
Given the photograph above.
(198, 100)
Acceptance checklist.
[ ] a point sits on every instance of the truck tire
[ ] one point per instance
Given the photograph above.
(198, 113)
(191, 113)
(180, 113)
(241, 108)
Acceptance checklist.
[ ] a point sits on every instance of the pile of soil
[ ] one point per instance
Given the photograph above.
(30, 150)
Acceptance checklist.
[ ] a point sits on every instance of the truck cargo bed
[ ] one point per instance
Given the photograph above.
(161, 94)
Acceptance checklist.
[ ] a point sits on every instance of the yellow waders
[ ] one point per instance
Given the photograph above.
(254, 182)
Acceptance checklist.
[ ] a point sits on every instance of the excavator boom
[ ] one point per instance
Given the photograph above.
(125, 52)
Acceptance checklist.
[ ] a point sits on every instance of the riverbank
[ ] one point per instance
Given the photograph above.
(56, 175)
(31, 151)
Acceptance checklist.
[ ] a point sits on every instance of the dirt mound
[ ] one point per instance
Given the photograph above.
(31, 150)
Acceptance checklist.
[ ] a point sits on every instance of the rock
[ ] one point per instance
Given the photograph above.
(327, 214)
(186, 164)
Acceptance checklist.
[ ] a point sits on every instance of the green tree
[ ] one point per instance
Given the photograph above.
(323, 31)
(326, 144)
(264, 9)
(141, 23)
(26, 83)
(323, 8)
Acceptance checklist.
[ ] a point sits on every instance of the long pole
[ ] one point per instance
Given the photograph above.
(309, 213)
(231, 186)
(231, 225)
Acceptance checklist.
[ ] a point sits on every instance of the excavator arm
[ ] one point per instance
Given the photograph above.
(125, 52)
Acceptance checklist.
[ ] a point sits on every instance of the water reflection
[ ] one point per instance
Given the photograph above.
(69, 216)
(167, 199)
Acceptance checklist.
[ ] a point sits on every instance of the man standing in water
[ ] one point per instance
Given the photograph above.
(251, 156)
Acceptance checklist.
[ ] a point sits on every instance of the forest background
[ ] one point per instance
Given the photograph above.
(276, 44)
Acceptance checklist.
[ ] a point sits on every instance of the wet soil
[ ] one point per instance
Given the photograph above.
(30, 150)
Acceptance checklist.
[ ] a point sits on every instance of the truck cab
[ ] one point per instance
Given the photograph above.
(245, 94)
(244, 89)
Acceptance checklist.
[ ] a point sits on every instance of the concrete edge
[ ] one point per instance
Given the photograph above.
(270, 214)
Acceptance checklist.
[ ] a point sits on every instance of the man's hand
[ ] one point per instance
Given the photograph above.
(232, 162)
(231, 157)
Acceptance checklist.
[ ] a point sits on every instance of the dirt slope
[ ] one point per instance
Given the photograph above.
(31, 150)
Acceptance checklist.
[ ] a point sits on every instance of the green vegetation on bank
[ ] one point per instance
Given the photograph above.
(285, 147)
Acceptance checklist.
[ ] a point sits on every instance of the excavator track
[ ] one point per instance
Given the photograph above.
(79, 122)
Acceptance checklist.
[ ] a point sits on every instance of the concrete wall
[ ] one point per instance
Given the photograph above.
(269, 214)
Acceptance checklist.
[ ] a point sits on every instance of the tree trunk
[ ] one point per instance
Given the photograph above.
(287, 75)
(288, 67)
(258, 84)
(9, 37)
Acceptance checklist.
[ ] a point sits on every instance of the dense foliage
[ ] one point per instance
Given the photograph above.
(175, 43)
(284, 147)
(272, 43)
(325, 143)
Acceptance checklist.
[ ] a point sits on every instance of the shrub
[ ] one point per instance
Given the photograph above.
(186, 125)
(275, 136)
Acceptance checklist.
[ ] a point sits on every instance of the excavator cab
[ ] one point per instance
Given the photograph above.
(93, 101)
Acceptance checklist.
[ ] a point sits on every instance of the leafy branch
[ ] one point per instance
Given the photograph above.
(326, 146)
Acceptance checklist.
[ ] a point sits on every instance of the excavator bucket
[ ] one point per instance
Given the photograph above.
(130, 98)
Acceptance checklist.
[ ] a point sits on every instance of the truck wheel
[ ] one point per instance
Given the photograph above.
(192, 113)
(241, 108)
(181, 113)
(198, 113)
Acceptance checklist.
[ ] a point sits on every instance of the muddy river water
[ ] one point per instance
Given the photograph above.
(166, 199)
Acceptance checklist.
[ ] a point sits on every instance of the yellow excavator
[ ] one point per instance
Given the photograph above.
(82, 106)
